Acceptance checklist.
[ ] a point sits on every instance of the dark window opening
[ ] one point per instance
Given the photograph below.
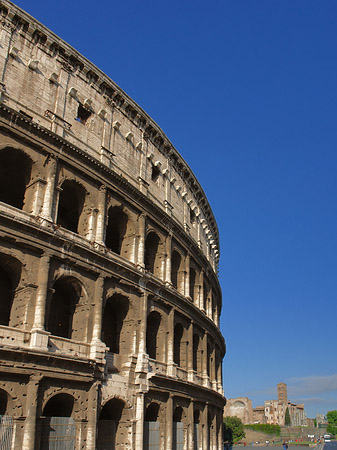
(6, 296)
(175, 268)
(153, 323)
(195, 351)
(70, 205)
(15, 172)
(151, 413)
(115, 311)
(112, 410)
(155, 172)
(192, 217)
(116, 229)
(151, 250)
(62, 308)
(3, 402)
(61, 405)
(178, 414)
(192, 282)
(178, 334)
(83, 114)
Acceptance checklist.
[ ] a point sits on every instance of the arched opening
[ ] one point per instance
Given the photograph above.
(205, 291)
(108, 424)
(176, 270)
(70, 206)
(15, 173)
(196, 357)
(57, 425)
(61, 405)
(153, 323)
(151, 257)
(152, 427)
(115, 311)
(3, 402)
(178, 435)
(178, 334)
(116, 229)
(196, 429)
(192, 283)
(65, 318)
(6, 295)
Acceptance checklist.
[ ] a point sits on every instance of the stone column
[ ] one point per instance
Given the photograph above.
(100, 225)
(190, 371)
(171, 370)
(190, 426)
(92, 415)
(187, 276)
(168, 249)
(213, 368)
(31, 408)
(204, 360)
(141, 241)
(139, 420)
(97, 347)
(206, 437)
(48, 212)
(142, 362)
(91, 231)
(201, 290)
(39, 337)
(169, 423)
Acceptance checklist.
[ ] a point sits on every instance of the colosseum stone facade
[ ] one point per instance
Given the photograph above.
(110, 300)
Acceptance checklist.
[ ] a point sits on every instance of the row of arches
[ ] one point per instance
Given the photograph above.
(108, 222)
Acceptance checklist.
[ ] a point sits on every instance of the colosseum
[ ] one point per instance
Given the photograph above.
(110, 299)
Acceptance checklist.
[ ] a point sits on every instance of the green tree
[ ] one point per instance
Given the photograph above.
(287, 421)
(233, 429)
(332, 422)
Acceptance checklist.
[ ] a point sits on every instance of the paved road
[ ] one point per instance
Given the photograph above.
(330, 446)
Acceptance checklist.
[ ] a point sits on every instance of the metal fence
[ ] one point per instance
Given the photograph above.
(57, 433)
(6, 432)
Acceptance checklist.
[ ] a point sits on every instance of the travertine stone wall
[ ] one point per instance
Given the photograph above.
(109, 318)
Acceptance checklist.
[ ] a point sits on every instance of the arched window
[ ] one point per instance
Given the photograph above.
(151, 257)
(58, 427)
(152, 427)
(178, 334)
(65, 318)
(192, 283)
(3, 402)
(196, 425)
(196, 357)
(178, 435)
(15, 173)
(108, 424)
(61, 405)
(6, 296)
(116, 229)
(70, 206)
(153, 323)
(115, 311)
(205, 291)
(176, 270)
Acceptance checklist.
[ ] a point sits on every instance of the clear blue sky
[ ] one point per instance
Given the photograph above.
(247, 92)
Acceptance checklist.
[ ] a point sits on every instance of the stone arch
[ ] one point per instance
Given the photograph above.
(152, 328)
(116, 227)
(115, 311)
(178, 434)
(177, 278)
(113, 424)
(177, 347)
(67, 318)
(151, 256)
(59, 405)
(193, 275)
(16, 165)
(70, 205)
(196, 353)
(10, 275)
